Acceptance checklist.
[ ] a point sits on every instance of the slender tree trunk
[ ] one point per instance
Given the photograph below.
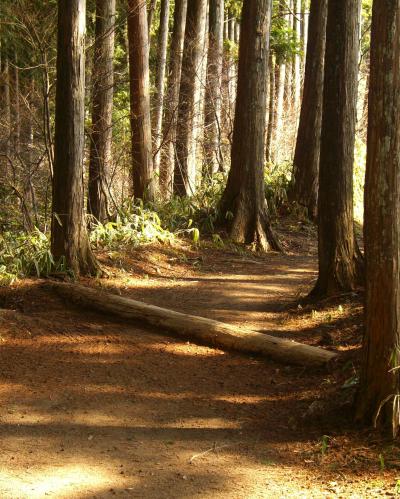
(142, 160)
(212, 121)
(160, 77)
(172, 98)
(306, 158)
(198, 154)
(271, 113)
(288, 94)
(152, 9)
(379, 394)
(339, 259)
(101, 136)
(280, 70)
(304, 33)
(69, 238)
(232, 63)
(17, 108)
(244, 196)
(296, 81)
(7, 106)
(188, 98)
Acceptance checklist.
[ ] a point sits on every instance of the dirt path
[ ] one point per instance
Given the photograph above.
(92, 407)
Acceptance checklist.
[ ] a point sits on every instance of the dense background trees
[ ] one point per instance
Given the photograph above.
(205, 115)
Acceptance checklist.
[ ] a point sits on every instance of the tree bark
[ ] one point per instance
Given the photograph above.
(185, 166)
(207, 331)
(142, 160)
(7, 108)
(271, 113)
(243, 208)
(69, 239)
(101, 134)
(379, 393)
(296, 80)
(172, 98)
(17, 108)
(160, 77)
(152, 9)
(338, 255)
(304, 187)
(212, 118)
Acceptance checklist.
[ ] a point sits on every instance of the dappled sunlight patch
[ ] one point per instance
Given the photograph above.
(190, 349)
(197, 422)
(32, 417)
(57, 481)
(104, 348)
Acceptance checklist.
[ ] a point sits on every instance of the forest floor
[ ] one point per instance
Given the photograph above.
(95, 407)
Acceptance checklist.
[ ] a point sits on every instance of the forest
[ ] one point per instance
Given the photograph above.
(199, 248)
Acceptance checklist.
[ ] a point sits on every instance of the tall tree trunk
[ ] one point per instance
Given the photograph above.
(306, 158)
(160, 77)
(17, 108)
(271, 116)
(232, 82)
(288, 93)
(296, 81)
(304, 33)
(212, 121)
(338, 255)
(7, 107)
(172, 98)
(69, 238)
(188, 98)
(198, 155)
(280, 70)
(152, 9)
(101, 135)
(142, 160)
(244, 196)
(379, 393)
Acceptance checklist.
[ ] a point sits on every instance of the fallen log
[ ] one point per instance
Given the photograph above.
(206, 331)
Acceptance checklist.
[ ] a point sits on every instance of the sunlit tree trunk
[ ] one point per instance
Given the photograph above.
(379, 394)
(172, 98)
(160, 77)
(16, 107)
(69, 238)
(7, 106)
(271, 113)
(212, 120)
(306, 158)
(338, 255)
(142, 160)
(152, 9)
(243, 208)
(101, 133)
(188, 98)
(296, 81)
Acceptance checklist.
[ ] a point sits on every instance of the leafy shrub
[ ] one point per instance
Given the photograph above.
(277, 180)
(134, 225)
(198, 212)
(23, 254)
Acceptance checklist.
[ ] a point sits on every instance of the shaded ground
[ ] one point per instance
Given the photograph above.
(93, 407)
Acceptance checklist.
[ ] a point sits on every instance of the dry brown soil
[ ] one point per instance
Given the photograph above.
(95, 407)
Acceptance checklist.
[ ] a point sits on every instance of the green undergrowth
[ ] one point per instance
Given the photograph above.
(25, 254)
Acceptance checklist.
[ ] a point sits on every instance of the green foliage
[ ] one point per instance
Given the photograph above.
(181, 215)
(284, 42)
(324, 444)
(23, 255)
(134, 226)
(359, 179)
(277, 180)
